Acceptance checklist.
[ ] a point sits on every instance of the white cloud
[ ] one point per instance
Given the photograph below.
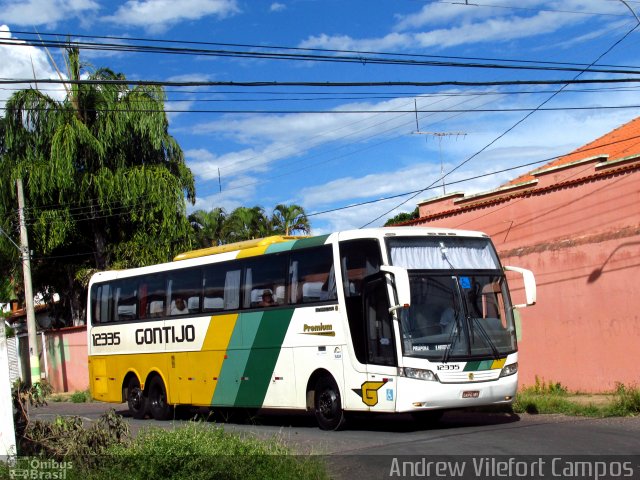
(45, 12)
(391, 41)
(158, 15)
(277, 7)
(446, 25)
(22, 62)
(494, 30)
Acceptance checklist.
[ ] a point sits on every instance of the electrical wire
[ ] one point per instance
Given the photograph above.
(508, 130)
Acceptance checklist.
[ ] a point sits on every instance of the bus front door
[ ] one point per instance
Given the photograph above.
(379, 392)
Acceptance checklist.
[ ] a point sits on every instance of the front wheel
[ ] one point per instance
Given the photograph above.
(328, 405)
(158, 406)
(136, 400)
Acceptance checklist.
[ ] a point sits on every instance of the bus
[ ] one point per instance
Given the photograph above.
(407, 320)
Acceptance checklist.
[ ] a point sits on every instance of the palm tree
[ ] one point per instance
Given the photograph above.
(287, 219)
(209, 227)
(247, 223)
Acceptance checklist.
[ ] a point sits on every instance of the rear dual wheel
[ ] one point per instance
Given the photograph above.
(157, 400)
(136, 400)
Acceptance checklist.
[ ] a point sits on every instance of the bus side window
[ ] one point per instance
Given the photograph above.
(312, 275)
(214, 280)
(261, 275)
(101, 303)
(152, 293)
(185, 288)
(126, 300)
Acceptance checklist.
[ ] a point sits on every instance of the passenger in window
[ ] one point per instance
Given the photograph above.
(179, 306)
(267, 299)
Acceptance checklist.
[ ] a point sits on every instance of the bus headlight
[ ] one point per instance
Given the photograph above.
(509, 370)
(419, 374)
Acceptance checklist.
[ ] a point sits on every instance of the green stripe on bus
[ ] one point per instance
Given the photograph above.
(478, 365)
(234, 365)
(310, 242)
(280, 247)
(263, 357)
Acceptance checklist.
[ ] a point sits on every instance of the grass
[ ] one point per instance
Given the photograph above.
(201, 451)
(75, 397)
(104, 450)
(554, 398)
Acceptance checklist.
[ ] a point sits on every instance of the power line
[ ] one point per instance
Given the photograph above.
(405, 83)
(433, 185)
(258, 51)
(511, 128)
(353, 112)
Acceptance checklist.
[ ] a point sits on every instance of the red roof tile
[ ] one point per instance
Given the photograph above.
(622, 142)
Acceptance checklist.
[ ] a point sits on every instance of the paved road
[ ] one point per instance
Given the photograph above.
(371, 444)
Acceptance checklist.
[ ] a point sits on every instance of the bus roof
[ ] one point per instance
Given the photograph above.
(230, 247)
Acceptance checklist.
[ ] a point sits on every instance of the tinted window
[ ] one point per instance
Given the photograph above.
(221, 288)
(186, 289)
(265, 281)
(153, 296)
(312, 275)
(126, 299)
(359, 259)
(101, 303)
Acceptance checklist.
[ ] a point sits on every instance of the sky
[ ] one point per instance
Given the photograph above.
(330, 147)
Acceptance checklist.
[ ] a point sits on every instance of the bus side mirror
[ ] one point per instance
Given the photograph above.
(529, 285)
(401, 282)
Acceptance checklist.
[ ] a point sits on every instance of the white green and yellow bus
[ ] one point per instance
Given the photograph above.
(403, 319)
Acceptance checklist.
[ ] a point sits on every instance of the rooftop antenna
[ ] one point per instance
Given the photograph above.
(439, 136)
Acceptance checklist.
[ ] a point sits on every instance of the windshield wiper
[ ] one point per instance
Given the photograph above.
(453, 336)
(487, 338)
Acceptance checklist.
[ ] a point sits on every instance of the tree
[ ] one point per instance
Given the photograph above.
(102, 176)
(287, 219)
(247, 223)
(209, 227)
(402, 217)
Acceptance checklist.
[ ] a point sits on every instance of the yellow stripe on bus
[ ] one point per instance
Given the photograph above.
(498, 363)
(205, 366)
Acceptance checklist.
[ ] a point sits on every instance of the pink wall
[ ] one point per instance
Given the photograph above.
(67, 368)
(582, 241)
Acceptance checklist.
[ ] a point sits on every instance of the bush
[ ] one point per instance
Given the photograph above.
(68, 439)
(626, 401)
(80, 397)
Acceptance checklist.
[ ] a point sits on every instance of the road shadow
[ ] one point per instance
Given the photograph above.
(397, 423)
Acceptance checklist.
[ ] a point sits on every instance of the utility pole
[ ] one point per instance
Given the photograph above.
(34, 359)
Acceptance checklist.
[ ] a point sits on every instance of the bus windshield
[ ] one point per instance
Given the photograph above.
(460, 306)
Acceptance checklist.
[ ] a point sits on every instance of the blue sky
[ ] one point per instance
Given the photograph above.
(321, 157)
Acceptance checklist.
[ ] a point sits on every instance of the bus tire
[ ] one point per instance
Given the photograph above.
(328, 404)
(136, 399)
(157, 400)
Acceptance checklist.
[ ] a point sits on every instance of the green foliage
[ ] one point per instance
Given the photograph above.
(80, 397)
(626, 401)
(402, 217)
(290, 219)
(218, 228)
(105, 182)
(68, 439)
(199, 451)
(551, 388)
(545, 398)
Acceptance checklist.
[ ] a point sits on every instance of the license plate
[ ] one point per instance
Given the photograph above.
(471, 394)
